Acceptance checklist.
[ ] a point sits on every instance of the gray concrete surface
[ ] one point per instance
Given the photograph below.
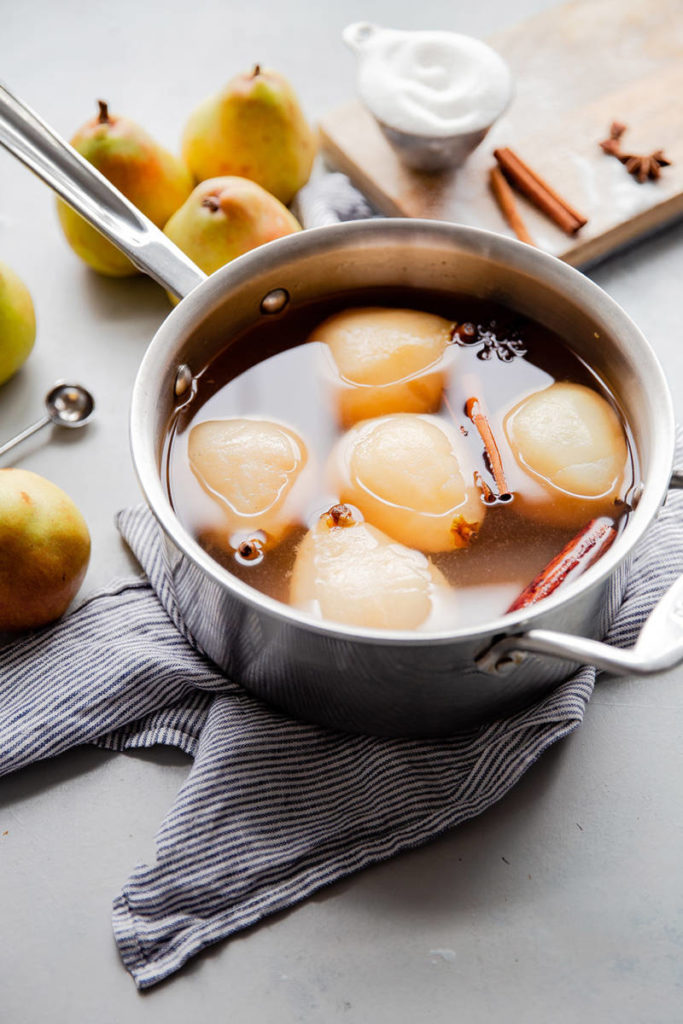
(561, 904)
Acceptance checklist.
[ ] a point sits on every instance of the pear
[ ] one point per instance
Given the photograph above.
(152, 178)
(251, 468)
(17, 323)
(44, 550)
(387, 360)
(254, 129)
(411, 477)
(351, 572)
(225, 217)
(572, 452)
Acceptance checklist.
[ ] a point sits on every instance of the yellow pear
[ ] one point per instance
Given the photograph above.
(225, 217)
(17, 323)
(254, 129)
(44, 550)
(152, 178)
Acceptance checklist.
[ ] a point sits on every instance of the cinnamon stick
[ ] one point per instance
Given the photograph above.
(505, 198)
(486, 492)
(473, 410)
(539, 192)
(575, 557)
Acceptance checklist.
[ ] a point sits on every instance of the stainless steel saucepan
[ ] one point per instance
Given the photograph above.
(364, 680)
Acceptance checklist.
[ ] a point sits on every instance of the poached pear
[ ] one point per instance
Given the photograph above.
(17, 323)
(152, 178)
(349, 571)
(225, 217)
(254, 129)
(44, 550)
(251, 469)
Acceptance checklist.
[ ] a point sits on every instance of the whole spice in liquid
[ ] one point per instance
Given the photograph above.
(579, 554)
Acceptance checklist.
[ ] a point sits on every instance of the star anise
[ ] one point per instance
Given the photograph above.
(505, 348)
(612, 145)
(506, 344)
(644, 167)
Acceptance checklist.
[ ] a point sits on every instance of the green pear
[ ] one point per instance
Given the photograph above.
(44, 550)
(255, 129)
(152, 178)
(17, 323)
(225, 217)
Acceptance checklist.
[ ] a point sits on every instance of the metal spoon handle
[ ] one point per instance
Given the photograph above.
(33, 142)
(33, 429)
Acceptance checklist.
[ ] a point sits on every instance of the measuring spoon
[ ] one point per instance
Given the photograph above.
(67, 405)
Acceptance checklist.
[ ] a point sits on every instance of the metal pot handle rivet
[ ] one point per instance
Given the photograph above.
(275, 301)
(183, 380)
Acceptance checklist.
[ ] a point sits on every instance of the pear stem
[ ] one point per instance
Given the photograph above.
(256, 71)
(103, 117)
(212, 202)
(340, 515)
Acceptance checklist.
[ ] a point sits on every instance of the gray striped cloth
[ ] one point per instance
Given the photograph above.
(272, 809)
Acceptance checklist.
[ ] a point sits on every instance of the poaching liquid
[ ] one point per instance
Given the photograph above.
(272, 372)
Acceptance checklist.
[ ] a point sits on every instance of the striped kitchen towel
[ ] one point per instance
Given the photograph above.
(272, 809)
(330, 198)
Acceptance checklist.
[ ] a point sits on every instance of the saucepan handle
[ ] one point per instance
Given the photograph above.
(33, 142)
(658, 648)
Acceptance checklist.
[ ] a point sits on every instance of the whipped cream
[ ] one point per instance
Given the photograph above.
(435, 84)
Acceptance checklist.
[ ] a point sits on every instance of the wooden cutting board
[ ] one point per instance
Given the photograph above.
(577, 68)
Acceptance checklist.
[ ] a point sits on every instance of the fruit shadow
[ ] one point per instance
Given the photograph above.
(42, 776)
(50, 436)
(120, 299)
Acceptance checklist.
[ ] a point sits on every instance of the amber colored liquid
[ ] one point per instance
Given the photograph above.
(270, 372)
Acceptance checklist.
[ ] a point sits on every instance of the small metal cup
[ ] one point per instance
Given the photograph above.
(419, 150)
